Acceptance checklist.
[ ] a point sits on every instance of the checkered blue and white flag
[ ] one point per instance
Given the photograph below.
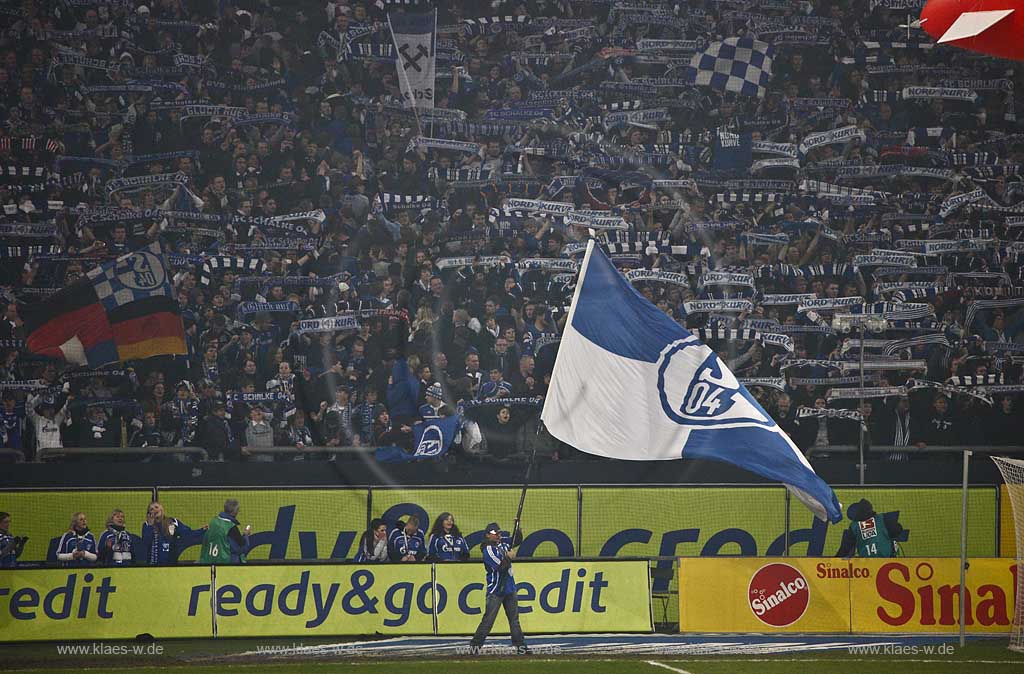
(738, 64)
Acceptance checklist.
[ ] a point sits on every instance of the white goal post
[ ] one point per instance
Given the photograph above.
(1013, 475)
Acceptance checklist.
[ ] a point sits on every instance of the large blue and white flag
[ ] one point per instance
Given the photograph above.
(414, 36)
(738, 64)
(631, 383)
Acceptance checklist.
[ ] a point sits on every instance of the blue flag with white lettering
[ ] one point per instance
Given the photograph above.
(431, 438)
(631, 383)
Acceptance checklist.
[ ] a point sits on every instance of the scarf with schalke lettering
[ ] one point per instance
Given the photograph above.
(443, 144)
(833, 381)
(246, 308)
(472, 261)
(829, 413)
(867, 392)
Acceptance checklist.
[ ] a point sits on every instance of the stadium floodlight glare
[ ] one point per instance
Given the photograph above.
(846, 323)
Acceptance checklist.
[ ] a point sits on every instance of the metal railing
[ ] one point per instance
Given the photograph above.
(912, 449)
(348, 449)
(47, 453)
(250, 453)
(51, 453)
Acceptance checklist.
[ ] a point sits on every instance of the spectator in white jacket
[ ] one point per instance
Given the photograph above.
(46, 419)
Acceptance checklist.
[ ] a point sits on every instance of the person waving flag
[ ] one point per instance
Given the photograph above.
(631, 383)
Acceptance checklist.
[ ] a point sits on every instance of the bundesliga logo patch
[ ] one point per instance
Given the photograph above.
(868, 528)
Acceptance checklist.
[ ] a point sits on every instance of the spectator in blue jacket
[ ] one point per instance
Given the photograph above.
(403, 391)
(116, 545)
(77, 547)
(11, 547)
(446, 541)
(163, 537)
(407, 542)
(500, 589)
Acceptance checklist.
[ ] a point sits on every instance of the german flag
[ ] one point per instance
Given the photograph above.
(123, 310)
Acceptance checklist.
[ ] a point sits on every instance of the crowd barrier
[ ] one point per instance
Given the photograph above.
(901, 595)
(316, 600)
(567, 521)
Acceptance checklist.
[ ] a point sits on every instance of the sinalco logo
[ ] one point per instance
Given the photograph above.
(778, 594)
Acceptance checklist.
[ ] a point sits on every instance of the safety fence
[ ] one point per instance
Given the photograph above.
(559, 521)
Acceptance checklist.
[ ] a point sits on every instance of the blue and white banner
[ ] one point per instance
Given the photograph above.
(631, 383)
(414, 36)
(431, 438)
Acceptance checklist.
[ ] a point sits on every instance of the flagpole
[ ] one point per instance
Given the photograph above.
(572, 310)
(526, 484)
(433, 85)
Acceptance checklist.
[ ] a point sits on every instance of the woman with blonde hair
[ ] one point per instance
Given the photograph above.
(77, 547)
(116, 544)
(163, 537)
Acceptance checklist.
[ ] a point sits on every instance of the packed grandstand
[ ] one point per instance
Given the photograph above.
(840, 223)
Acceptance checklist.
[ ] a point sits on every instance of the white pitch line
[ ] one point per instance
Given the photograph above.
(874, 660)
(674, 669)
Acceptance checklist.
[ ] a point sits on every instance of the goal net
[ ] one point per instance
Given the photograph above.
(1013, 475)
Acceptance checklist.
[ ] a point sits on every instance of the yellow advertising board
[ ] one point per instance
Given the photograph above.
(287, 523)
(104, 603)
(553, 597)
(45, 515)
(1007, 525)
(689, 521)
(930, 514)
(549, 514)
(264, 600)
(778, 594)
(922, 595)
(901, 595)
(324, 600)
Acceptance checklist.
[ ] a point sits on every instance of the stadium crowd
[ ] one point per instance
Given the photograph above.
(346, 266)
